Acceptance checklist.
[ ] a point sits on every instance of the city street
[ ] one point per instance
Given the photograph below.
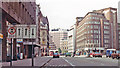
(82, 61)
(66, 61)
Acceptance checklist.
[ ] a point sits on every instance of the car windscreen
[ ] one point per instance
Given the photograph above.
(55, 53)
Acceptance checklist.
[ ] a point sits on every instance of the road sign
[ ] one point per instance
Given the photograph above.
(12, 30)
(22, 31)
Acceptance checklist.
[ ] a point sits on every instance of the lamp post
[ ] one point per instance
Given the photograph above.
(11, 53)
(32, 50)
(11, 48)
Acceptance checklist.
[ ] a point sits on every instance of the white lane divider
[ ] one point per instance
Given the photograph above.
(68, 62)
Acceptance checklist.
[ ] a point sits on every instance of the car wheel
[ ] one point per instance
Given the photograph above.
(117, 57)
(101, 56)
(112, 57)
(58, 56)
(106, 56)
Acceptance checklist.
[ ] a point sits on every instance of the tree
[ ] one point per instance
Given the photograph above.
(59, 50)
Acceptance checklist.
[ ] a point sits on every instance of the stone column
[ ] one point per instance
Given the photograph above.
(4, 41)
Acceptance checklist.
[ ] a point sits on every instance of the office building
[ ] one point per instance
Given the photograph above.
(97, 30)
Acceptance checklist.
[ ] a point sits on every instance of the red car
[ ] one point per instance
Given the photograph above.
(97, 54)
(55, 55)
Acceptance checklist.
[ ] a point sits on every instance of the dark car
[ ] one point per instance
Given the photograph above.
(97, 54)
(55, 55)
(68, 54)
(116, 55)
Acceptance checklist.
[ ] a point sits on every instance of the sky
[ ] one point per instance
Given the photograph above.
(63, 13)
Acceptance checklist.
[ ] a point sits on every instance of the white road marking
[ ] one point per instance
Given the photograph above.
(69, 62)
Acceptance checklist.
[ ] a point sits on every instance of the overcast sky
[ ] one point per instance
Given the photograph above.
(62, 13)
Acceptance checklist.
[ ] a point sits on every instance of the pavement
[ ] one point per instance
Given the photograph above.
(38, 61)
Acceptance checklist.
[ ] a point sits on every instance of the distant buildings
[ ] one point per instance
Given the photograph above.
(97, 30)
(60, 38)
(52, 45)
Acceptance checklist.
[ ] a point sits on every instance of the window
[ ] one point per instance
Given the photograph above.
(106, 36)
(106, 23)
(106, 41)
(106, 27)
(91, 41)
(95, 31)
(95, 26)
(91, 31)
(19, 32)
(25, 32)
(32, 31)
(91, 26)
(106, 32)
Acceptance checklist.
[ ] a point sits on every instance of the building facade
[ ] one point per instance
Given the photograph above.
(71, 39)
(60, 36)
(97, 30)
(16, 13)
(52, 45)
(44, 35)
(118, 24)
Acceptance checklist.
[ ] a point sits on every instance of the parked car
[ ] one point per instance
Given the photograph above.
(56, 55)
(97, 54)
(109, 52)
(116, 55)
(68, 54)
(62, 54)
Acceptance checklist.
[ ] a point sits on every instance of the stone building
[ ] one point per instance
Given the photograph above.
(16, 13)
(97, 30)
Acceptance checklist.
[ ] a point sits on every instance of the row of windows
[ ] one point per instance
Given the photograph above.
(106, 27)
(93, 18)
(106, 32)
(91, 41)
(107, 23)
(106, 36)
(95, 14)
(93, 22)
(106, 41)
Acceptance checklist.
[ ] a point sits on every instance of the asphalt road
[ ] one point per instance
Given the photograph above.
(82, 61)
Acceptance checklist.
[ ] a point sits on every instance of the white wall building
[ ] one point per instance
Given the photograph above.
(59, 35)
(71, 39)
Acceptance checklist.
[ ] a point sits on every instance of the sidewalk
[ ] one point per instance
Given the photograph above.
(104, 56)
(38, 61)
